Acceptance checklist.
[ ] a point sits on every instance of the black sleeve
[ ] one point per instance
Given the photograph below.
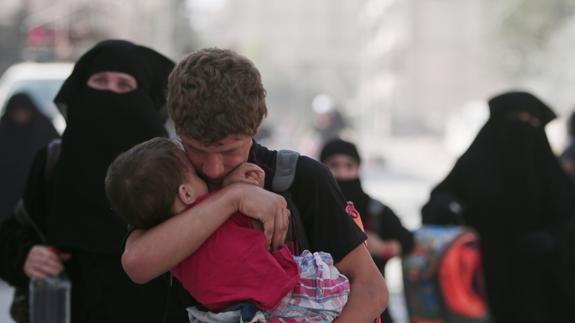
(390, 228)
(322, 206)
(444, 206)
(129, 229)
(559, 198)
(16, 238)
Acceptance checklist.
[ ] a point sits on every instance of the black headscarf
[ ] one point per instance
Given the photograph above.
(100, 125)
(517, 197)
(148, 67)
(19, 142)
(501, 106)
(339, 146)
(351, 188)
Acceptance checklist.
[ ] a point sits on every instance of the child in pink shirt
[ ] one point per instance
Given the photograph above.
(154, 181)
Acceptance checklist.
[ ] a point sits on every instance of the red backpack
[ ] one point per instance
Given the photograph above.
(443, 279)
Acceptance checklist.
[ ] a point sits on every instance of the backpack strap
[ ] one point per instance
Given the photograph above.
(285, 169)
(52, 156)
(20, 212)
(23, 217)
(286, 162)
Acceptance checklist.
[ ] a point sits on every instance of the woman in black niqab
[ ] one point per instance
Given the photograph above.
(100, 125)
(23, 131)
(518, 198)
(386, 236)
(73, 211)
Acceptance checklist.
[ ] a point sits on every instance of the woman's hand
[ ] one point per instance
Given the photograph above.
(43, 261)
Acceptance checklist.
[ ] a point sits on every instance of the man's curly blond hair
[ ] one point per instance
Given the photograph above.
(214, 93)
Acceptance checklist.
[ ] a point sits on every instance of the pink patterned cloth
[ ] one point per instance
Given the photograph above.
(319, 296)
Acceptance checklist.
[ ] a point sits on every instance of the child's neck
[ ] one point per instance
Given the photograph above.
(179, 208)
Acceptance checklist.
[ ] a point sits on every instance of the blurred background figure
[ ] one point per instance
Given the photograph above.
(568, 156)
(387, 238)
(23, 131)
(113, 99)
(41, 82)
(328, 122)
(510, 188)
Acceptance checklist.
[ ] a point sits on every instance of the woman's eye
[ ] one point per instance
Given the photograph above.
(100, 80)
(126, 85)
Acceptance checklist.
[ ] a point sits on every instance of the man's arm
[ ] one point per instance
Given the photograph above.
(150, 253)
(331, 229)
(368, 296)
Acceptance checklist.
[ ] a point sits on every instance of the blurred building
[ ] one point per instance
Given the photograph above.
(10, 34)
(394, 67)
(421, 60)
(303, 48)
(63, 29)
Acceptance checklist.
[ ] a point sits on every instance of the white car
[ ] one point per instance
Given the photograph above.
(41, 81)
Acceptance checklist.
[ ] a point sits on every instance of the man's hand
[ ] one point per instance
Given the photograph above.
(43, 261)
(268, 208)
(247, 173)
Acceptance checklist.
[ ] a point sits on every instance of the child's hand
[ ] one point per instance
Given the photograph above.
(247, 173)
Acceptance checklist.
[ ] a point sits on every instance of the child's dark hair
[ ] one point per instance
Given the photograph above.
(142, 183)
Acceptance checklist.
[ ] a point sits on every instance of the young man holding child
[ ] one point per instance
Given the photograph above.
(217, 102)
(305, 288)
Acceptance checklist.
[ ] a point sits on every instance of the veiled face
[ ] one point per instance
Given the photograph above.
(343, 167)
(529, 118)
(118, 82)
(21, 115)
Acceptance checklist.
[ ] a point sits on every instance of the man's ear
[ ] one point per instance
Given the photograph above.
(185, 194)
